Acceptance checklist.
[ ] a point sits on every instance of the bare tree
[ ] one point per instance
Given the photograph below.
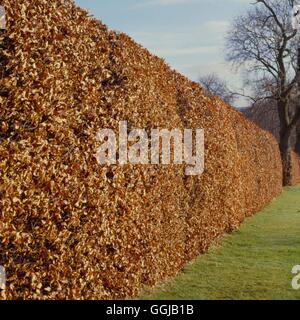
(264, 113)
(265, 44)
(215, 86)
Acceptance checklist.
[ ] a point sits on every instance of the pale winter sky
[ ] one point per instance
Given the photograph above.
(188, 34)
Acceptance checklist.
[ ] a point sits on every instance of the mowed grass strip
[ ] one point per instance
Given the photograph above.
(254, 263)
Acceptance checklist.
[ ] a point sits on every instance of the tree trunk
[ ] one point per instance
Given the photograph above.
(285, 150)
(298, 139)
(285, 139)
(298, 124)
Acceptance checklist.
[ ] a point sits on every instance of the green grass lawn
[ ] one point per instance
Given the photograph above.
(253, 263)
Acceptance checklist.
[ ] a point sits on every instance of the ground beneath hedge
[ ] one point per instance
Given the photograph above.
(254, 263)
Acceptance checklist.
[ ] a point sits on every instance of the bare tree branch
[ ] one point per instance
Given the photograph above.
(215, 86)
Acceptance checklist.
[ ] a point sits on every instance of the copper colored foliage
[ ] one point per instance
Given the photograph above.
(265, 115)
(294, 168)
(71, 229)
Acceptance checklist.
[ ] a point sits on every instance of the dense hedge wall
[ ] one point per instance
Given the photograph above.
(294, 169)
(72, 229)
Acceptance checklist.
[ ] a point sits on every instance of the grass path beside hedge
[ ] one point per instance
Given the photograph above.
(253, 263)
